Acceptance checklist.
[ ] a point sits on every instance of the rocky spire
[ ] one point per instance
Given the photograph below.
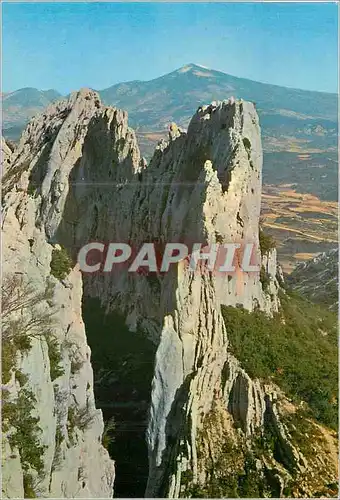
(76, 177)
(48, 375)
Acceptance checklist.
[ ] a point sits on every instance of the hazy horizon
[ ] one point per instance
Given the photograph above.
(66, 46)
(160, 76)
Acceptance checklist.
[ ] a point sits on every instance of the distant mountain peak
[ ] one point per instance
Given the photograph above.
(197, 70)
(185, 69)
(192, 67)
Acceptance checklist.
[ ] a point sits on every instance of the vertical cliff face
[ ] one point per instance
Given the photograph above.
(6, 154)
(53, 431)
(76, 177)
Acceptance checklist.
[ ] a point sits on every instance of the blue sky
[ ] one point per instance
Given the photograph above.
(66, 46)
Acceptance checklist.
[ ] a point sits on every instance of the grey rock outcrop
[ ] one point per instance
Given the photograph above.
(76, 177)
(66, 439)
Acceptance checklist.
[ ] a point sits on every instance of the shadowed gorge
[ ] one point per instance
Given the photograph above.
(123, 364)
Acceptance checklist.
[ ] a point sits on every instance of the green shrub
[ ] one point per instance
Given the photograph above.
(232, 474)
(55, 357)
(20, 299)
(264, 279)
(295, 353)
(187, 477)
(21, 378)
(8, 357)
(61, 263)
(59, 437)
(71, 420)
(60, 406)
(31, 190)
(25, 436)
(83, 418)
(78, 418)
(219, 238)
(21, 340)
(17, 334)
(266, 242)
(108, 434)
(57, 459)
(299, 425)
(28, 482)
(246, 143)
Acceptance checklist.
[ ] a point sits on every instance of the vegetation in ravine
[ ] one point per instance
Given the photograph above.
(18, 420)
(264, 279)
(26, 315)
(23, 319)
(108, 435)
(55, 357)
(296, 349)
(123, 365)
(233, 471)
(239, 467)
(61, 263)
(266, 242)
(78, 418)
(61, 404)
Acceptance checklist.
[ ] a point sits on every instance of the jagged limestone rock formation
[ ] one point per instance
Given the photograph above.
(76, 177)
(60, 454)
